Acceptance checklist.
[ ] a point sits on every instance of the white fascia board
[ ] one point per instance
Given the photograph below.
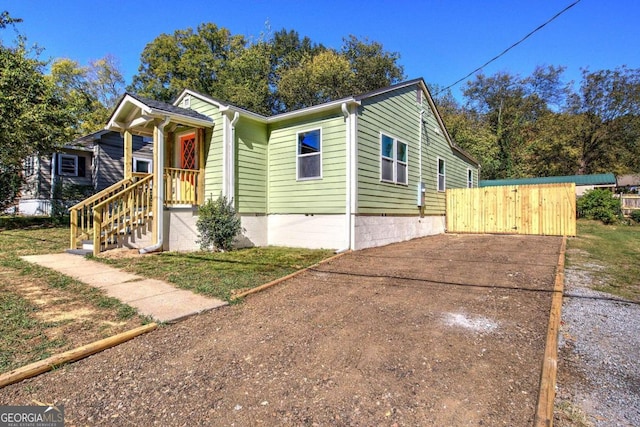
(314, 109)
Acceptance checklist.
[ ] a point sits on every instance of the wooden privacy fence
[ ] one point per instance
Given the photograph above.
(630, 203)
(548, 209)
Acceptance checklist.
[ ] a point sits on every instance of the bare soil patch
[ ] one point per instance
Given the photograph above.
(63, 319)
(446, 330)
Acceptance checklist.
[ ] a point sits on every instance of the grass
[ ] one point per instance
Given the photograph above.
(24, 337)
(220, 274)
(611, 254)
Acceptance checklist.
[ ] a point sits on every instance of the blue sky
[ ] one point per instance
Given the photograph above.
(439, 40)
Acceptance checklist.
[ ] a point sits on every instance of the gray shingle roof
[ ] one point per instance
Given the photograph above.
(169, 108)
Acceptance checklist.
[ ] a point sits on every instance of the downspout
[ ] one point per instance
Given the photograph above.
(349, 171)
(160, 189)
(420, 127)
(232, 157)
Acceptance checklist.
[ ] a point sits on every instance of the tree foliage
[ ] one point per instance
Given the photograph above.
(539, 126)
(33, 111)
(90, 92)
(276, 73)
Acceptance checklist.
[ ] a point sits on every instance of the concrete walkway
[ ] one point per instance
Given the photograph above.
(151, 297)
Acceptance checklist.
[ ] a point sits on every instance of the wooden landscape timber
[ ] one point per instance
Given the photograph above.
(546, 397)
(57, 360)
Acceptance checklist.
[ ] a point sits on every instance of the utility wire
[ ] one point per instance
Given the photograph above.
(510, 47)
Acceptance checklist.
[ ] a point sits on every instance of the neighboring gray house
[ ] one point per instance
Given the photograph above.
(92, 162)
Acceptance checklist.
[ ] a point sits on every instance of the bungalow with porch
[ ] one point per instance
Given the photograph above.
(358, 172)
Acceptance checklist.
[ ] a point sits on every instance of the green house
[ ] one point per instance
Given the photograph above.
(362, 171)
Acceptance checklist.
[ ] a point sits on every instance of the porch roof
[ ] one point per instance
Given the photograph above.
(138, 115)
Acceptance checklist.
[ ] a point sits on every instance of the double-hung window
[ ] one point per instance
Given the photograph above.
(309, 155)
(469, 178)
(393, 160)
(142, 165)
(72, 165)
(67, 165)
(442, 181)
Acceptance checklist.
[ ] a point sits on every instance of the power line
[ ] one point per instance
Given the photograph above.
(510, 47)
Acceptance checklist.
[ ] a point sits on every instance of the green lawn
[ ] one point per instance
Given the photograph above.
(220, 274)
(610, 253)
(26, 333)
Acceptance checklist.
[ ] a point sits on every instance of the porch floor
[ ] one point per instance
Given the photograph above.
(155, 298)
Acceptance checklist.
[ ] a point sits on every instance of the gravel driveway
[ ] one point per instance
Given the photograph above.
(599, 349)
(447, 330)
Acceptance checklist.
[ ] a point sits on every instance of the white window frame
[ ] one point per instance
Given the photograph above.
(394, 160)
(140, 159)
(30, 164)
(186, 101)
(441, 175)
(75, 164)
(298, 155)
(469, 178)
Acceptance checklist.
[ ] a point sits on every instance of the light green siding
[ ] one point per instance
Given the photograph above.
(327, 195)
(397, 114)
(213, 148)
(251, 167)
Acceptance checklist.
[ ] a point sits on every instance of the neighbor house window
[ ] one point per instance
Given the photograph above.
(441, 175)
(393, 160)
(142, 165)
(29, 166)
(309, 155)
(469, 178)
(71, 165)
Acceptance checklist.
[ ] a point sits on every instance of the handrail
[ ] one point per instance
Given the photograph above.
(121, 193)
(122, 213)
(89, 200)
(81, 214)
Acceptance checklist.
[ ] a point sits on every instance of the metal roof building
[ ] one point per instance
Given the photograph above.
(583, 182)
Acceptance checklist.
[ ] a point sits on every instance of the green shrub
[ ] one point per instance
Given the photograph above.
(601, 205)
(218, 224)
(635, 216)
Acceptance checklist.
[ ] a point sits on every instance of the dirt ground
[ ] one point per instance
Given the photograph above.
(68, 321)
(447, 330)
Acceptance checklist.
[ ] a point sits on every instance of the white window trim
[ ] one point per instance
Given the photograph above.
(140, 159)
(469, 178)
(75, 164)
(444, 175)
(186, 101)
(298, 156)
(394, 160)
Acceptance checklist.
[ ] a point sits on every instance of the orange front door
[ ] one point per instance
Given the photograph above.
(188, 161)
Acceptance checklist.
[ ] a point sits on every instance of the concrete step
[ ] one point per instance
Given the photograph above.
(81, 252)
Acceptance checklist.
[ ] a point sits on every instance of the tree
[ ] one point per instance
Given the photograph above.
(607, 135)
(318, 79)
(34, 115)
(512, 107)
(267, 75)
(91, 92)
(374, 67)
(186, 59)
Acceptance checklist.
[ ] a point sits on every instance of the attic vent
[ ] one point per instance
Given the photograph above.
(436, 129)
(186, 102)
(419, 96)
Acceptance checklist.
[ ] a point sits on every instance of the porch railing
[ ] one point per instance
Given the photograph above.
(122, 213)
(127, 204)
(81, 221)
(181, 187)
